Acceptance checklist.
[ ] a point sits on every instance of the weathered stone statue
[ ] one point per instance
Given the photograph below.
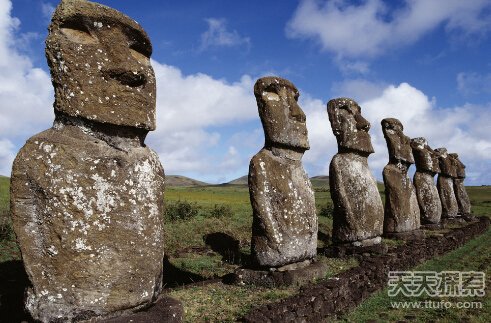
(284, 228)
(358, 211)
(427, 166)
(463, 201)
(444, 184)
(401, 204)
(87, 194)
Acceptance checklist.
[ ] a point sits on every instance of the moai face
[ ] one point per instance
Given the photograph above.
(100, 65)
(426, 158)
(460, 167)
(399, 145)
(348, 125)
(282, 118)
(446, 165)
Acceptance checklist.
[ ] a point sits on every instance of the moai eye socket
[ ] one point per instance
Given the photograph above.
(139, 54)
(77, 32)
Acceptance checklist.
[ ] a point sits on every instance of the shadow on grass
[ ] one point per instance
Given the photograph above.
(228, 247)
(176, 277)
(13, 282)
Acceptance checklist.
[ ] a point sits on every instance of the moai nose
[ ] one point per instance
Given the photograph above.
(123, 68)
(362, 123)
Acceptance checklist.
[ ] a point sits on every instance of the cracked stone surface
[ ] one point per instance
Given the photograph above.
(427, 166)
(358, 210)
(401, 212)
(87, 194)
(284, 228)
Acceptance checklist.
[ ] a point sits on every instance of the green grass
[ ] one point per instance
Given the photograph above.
(225, 303)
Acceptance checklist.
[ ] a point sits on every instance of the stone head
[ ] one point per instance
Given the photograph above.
(426, 159)
(100, 65)
(398, 144)
(349, 126)
(282, 118)
(447, 166)
(459, 166)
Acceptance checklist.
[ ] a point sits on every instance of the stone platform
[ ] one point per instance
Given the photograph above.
(290, 275)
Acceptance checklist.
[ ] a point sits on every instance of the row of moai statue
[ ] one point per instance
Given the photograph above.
(87, 194)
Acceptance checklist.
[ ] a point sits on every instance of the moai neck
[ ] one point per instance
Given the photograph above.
(287, 153)
(120, 137)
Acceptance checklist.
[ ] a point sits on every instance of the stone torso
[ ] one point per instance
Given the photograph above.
(445, 187)
(429, 202)
(284, 214)
(88, 218)
(358, 209)
(401, 204)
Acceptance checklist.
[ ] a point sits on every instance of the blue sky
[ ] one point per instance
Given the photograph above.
(425, 62)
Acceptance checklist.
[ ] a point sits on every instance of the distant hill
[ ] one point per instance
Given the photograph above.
(320, 181)
(178, 180)
(239, 181)
(317, 181)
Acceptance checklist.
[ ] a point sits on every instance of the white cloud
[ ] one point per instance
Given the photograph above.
(26, 96)
(370, 27)
(217, 35)
(7, 155)
(187, 107)
(358, 89)
(459, 129)
(473, 83)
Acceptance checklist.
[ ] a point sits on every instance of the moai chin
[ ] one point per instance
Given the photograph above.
(427, 166)
(358, 211)
(444, 184)
(284, 228)
(87, 194)
(401, 204)
(463, 200)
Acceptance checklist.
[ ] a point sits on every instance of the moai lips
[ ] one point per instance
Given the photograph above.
(358, 210)
(427, 166)
(87, 194)
(401, 204)
(284, 228)
(461, 195)
(445, 185)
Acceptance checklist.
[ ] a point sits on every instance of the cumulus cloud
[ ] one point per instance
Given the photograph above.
(460, 129)
(25, 91)
(218, 35)
(7, 155)
(188, 107)
(368, 28)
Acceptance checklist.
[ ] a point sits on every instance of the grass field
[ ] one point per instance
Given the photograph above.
(190, 251)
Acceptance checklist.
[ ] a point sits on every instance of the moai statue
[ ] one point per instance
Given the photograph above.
(284, 228)
(444, 184)
(463, 201)
(358, 211)
(401, 216)
(87, 194)
(427, 166)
